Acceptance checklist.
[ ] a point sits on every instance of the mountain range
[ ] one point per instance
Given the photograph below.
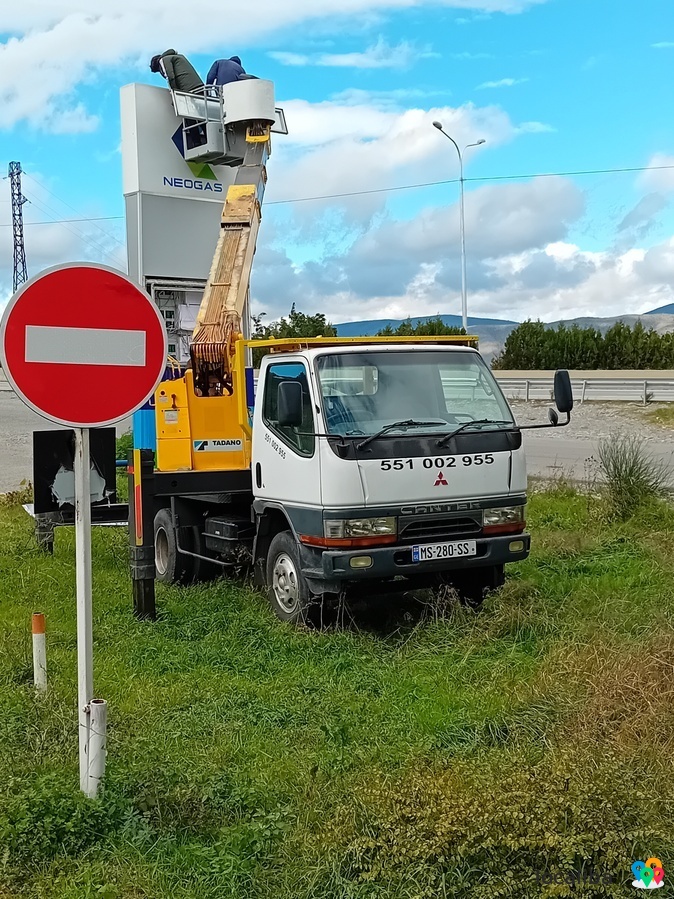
(493, 332)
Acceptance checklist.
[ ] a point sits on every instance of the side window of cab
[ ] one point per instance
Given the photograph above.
(300, 439)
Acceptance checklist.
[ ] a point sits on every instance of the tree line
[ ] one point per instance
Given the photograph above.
(299, 324)
(532, 346)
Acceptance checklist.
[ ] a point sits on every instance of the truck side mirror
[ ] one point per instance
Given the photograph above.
(289, 404)
(563, 392)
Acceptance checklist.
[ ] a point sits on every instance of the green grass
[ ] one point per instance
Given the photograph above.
(403, 756)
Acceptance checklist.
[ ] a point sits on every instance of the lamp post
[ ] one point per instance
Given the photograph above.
(464, 298)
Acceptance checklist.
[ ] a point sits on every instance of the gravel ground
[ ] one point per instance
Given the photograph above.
(596, 421)
(571, 451)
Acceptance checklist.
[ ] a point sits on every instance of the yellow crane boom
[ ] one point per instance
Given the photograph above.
(219, 321)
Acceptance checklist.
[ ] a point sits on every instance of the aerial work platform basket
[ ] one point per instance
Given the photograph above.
(219, 121)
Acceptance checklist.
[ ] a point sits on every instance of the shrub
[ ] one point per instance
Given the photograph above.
(632, 478)
(19, 497)
(498, 830)
(51, 817)
(124, 445)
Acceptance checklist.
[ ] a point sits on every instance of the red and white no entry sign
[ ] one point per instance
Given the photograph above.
(82, 345)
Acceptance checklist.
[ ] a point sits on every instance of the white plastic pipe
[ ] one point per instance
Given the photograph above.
(98, 724)
(39, 652)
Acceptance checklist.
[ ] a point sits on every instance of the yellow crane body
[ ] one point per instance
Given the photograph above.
(202, 418)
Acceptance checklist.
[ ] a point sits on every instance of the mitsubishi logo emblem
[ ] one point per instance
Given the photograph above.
(441, 480)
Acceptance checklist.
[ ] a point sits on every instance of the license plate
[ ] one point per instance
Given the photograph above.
(433, 551)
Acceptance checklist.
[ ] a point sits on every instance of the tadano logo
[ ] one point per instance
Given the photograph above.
(204, 179)
(218, 446)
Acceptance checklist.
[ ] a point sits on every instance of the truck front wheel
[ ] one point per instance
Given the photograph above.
(287, 588)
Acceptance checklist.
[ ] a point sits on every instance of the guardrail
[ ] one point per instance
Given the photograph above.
(608, 389)
(649, 387)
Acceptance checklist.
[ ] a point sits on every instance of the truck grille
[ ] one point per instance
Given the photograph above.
(438, 529)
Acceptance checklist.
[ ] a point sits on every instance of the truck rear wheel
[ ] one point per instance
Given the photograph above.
(172, 567)
(287, 588)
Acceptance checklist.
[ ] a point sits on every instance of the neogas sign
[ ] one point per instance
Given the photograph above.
(194, 184)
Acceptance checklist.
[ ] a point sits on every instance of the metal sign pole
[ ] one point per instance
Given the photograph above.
(85, 666)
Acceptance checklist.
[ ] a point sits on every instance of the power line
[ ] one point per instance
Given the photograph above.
(69, 206)
(81, 235)
(381, 190)
(104, 218)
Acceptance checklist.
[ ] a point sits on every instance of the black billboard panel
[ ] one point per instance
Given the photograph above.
(53, 473)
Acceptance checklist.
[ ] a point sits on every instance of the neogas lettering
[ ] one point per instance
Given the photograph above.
(194, 184)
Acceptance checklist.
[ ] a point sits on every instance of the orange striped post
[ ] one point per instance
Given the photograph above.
(39, 652)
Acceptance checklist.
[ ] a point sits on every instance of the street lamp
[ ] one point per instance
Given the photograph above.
(464, 299)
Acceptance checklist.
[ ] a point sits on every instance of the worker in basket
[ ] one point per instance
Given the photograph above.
(178, 71)
(225, 71)
(181, 76)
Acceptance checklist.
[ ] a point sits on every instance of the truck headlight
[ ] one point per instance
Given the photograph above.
(349, 528)
(504, 520)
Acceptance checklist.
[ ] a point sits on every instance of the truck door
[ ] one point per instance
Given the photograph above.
(286, 464)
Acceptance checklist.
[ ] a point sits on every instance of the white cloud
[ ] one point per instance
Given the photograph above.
(520, 263)
(504, 82)
(290, 59)
(535, 128)
(75, 120)
(337, 146)
(663, 45)
(660, 173)
(56, 44)
(271, 14)
(378, 56)
(467, 55)
(641, 218)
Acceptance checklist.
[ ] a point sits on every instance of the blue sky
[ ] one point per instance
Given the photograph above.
(553, 86)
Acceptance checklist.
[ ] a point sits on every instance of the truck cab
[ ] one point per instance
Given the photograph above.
(393, 463)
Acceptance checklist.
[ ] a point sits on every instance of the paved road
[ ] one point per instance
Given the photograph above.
(17, 423)
(549, 454)
(554, 455)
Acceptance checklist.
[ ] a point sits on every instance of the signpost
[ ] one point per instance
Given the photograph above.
(84, 347)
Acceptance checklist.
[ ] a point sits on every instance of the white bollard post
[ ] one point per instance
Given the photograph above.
(98, 724)
(39, 652)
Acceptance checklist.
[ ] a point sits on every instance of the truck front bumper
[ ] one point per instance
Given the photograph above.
(335, 567)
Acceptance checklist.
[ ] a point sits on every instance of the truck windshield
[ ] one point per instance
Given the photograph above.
(440, 390)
